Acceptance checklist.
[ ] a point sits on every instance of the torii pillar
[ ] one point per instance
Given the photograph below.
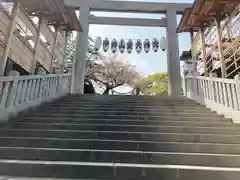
(79, 66)
(173, 59)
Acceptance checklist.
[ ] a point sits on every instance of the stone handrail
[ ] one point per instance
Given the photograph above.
(21, 92)
(220, 95)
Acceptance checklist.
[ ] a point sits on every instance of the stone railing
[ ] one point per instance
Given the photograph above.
(21, 92)
(220, 95)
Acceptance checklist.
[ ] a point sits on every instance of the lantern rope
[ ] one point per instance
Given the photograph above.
(126, 39)
(113, 45)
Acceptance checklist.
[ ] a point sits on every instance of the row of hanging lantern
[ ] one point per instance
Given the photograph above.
(122, 45)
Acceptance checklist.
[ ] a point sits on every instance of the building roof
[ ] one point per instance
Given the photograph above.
(203, 12)
(54, 11)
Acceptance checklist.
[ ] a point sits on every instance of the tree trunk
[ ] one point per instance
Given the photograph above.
(111, 87)
(88, 87)
(106, 92)
(138, 91)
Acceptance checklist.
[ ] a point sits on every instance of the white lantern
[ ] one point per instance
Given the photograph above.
(114, 45)
(122, 46)
(163, 44)
(129, 46)
(98, 43)
(106, 45)
(146, 46)
(138, 46)
(155, 45)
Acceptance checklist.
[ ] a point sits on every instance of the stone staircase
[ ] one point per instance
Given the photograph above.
(120, 138)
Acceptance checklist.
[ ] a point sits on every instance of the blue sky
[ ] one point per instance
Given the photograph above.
(145, 63)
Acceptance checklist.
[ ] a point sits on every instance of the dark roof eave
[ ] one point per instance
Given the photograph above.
(186, 55)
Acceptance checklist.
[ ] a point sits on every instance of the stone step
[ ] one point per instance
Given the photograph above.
(122, 99)
(123, 135)
(119, 103)
(138, 157)
(114, 171)
(135, 113)
(149, 105)
(131, 102)
(127, 109)
(69, 119)
(124, 108)
(120, 138)
(153, 146)
(30, 178)
(150, 101)
(119, 117)
(125, 105)
(128, 99)
(129, 122)
(112, 102)
(129, 128)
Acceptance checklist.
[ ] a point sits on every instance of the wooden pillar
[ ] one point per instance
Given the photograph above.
(235, 47)
(193, 52)
(54, 48)
(11, 29)
(203, 44)
(194, 69)
(65, 51)
(36, 46)
(220, 47)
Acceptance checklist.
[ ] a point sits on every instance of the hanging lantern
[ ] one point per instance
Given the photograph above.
(122, 46)
(98, 43)
(163, 44)
(146, 46)
(129, 46)
(138, 46)
(155, 45)
(105, 45)
(114, 45)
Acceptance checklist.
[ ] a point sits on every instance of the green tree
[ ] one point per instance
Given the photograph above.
(154, 84)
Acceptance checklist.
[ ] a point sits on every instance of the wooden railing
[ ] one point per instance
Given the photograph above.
(221, 95)
(20, 92)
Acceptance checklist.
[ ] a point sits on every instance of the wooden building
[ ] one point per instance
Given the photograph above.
(33, 35)
(215, 32)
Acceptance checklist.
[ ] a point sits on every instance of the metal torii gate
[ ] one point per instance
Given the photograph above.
(170, 22)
